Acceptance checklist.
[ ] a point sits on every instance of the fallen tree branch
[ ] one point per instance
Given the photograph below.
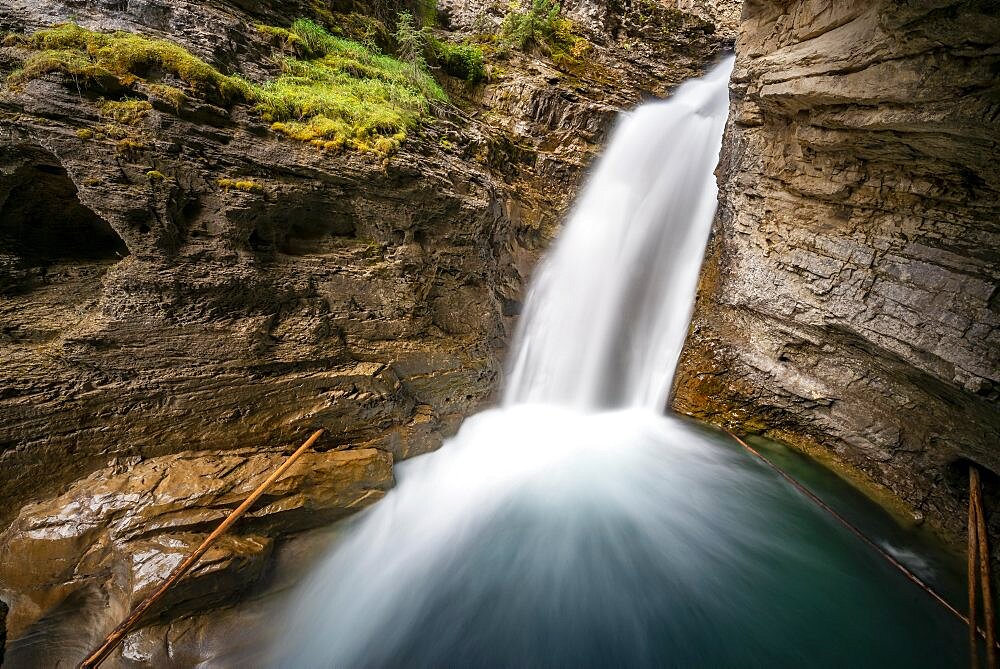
(976, 509)
(115, 637)
(863, 537)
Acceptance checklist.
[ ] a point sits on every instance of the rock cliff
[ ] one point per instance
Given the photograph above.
(186, 287)
(849, 302)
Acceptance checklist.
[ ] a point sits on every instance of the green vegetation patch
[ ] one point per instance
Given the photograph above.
(124, 56)
(126, 112)
(540, 25)
(245, 185)
(464, 60)
(331, 91)
(339, 93)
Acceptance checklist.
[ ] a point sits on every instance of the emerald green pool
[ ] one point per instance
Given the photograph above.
(544, 537)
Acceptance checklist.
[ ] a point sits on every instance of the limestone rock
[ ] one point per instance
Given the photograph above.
(146, 315)
(125, 528)
(725, 14)
(155, 323)
(849, 299)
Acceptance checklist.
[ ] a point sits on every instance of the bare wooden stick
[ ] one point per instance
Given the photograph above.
(859, 534)
(112, 640)
(984, 572)
(972, 550)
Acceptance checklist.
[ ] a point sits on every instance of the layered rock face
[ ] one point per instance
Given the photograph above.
(849, 301)
(204, 282)
(724, 14)
(181, 299)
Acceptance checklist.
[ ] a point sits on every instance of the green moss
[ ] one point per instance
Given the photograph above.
(345, 95)
(85, 133)
(171, 94)
(244, 185)
(332, 92)
(130, 146)
(126, 112)
(154, 175)
(127, 57)
(465, 61)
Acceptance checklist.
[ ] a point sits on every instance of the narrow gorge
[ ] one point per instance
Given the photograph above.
(227, 224)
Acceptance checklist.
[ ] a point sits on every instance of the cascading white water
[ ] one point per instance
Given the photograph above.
(578, 526)
(608, 311)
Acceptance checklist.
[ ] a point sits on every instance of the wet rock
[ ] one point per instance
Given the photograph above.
(155, 323)
(232, 564)
(125, 528)
(849, 297)
(363, 297)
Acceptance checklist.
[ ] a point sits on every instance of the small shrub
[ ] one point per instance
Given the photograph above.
(85, 133)
(410, 45)
(542, 26)
(464, 61)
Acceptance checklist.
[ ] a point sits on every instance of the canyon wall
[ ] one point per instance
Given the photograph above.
(849, 303)
(185, 291)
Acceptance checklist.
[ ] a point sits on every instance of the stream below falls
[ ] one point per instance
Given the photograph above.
(575, 525)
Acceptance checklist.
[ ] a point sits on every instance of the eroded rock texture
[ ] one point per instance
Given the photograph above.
(179, 299)
(724, 14)
(150, 308)
(850, 300)
(112, 537)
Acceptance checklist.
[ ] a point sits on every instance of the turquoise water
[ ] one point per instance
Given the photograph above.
(631, 540)
(915, 545)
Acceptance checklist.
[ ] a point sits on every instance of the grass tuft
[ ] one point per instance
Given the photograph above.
(343, 94)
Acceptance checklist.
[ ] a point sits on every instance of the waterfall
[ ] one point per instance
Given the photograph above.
(576, 525)
(608, 312)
